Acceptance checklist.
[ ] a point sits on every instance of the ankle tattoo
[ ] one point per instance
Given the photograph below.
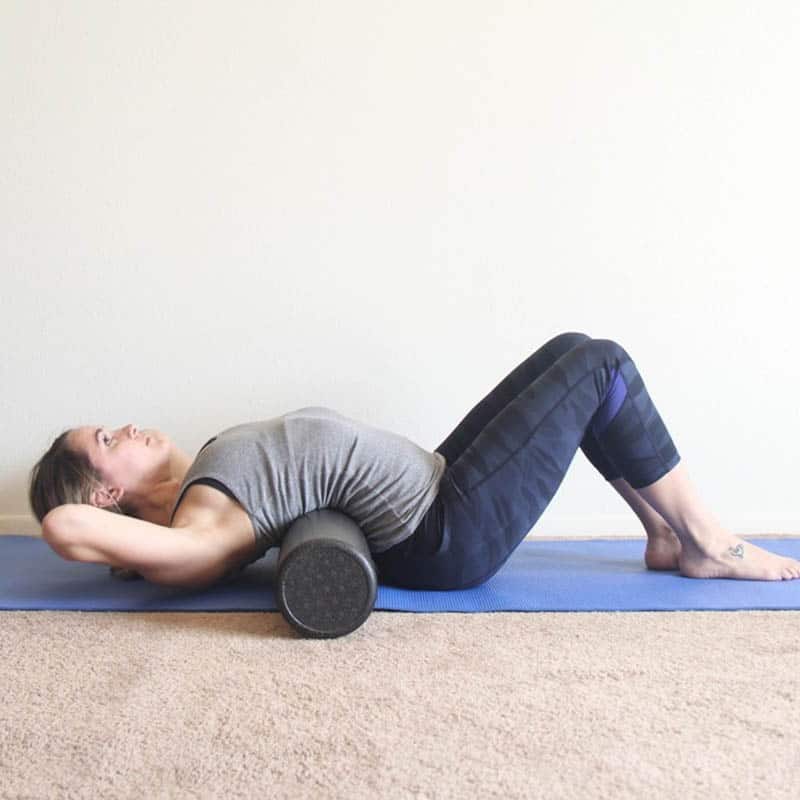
(737, 552)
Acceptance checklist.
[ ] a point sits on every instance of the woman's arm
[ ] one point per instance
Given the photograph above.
(170, 556)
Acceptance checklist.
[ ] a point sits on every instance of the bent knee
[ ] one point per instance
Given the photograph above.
(570, 338)
(609, 348)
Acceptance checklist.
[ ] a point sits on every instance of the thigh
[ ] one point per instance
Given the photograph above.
(493, 494)
(505, 391)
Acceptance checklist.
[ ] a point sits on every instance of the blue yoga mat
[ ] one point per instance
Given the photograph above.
(592, 575)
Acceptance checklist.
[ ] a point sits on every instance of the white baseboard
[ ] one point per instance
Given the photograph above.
(563, 526)
(627, 525)
(20, 524)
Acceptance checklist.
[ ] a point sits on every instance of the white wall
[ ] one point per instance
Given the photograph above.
(217, 212)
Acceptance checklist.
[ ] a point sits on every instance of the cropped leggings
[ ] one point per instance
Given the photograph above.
(509, 455)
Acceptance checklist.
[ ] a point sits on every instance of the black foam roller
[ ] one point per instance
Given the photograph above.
(326, 579)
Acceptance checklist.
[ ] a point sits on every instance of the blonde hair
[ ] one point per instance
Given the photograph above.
(63, 475)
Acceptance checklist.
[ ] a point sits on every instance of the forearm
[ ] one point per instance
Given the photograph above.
(172, 556)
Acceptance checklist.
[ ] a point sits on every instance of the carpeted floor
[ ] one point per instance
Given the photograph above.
(534, 705)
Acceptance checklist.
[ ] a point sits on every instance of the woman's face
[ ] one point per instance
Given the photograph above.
(127, 457)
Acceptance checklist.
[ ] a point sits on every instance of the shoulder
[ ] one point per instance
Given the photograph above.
(211, 512)
(202, 505)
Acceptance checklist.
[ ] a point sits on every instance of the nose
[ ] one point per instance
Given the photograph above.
(132, 431)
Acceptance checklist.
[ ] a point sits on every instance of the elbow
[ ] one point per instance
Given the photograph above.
(59, 545)
(56, 530)
(54, 533)
(57, 520)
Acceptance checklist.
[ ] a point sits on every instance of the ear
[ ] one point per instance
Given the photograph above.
(102, 497)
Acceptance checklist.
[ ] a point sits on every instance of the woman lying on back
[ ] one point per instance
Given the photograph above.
(442, 519)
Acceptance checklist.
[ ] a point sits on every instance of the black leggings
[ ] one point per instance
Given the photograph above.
(508, 456)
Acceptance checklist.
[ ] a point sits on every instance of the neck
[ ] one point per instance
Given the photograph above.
(157, 505)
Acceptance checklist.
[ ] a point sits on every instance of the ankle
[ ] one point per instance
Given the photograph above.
(657, 531)
(702, 532)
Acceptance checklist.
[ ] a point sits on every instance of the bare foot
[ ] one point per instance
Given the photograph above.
(663, 549)
(723, 555)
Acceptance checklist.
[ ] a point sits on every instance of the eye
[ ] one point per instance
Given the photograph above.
(106, 438)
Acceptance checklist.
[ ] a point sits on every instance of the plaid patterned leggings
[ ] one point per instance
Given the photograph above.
(509, 455)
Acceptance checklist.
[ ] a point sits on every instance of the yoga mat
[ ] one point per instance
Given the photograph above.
(593, 575)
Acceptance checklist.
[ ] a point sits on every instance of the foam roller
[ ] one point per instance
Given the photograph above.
(326, 579)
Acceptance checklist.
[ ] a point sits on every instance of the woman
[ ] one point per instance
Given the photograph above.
(443, 520)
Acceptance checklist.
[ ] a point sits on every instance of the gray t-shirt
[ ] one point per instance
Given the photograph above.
(279, 469)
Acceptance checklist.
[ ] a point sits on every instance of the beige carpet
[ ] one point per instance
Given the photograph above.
(534, 705)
